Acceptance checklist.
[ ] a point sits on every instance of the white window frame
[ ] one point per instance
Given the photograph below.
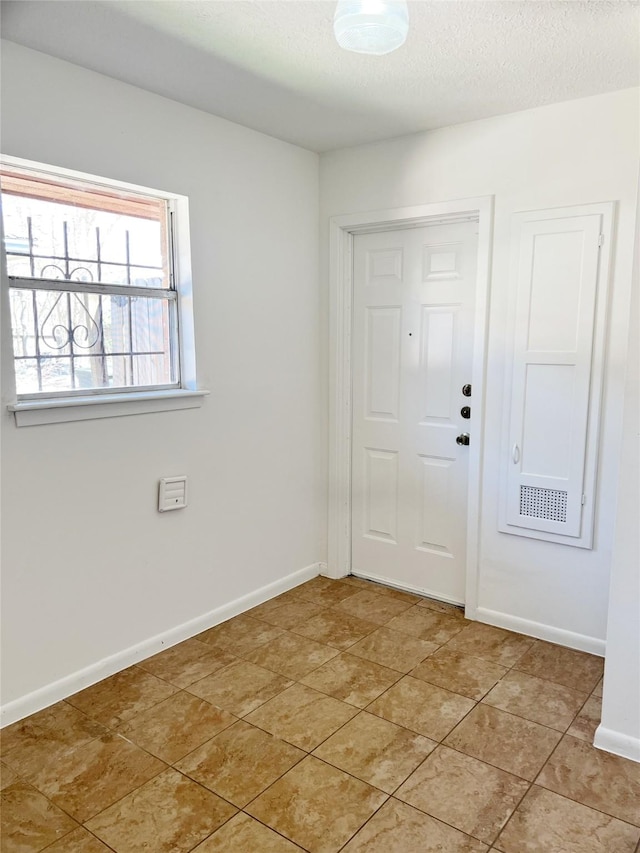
(43, 408)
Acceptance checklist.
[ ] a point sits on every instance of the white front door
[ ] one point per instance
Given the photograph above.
(413, 326)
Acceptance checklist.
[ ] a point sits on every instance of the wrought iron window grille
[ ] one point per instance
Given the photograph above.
(65, 328)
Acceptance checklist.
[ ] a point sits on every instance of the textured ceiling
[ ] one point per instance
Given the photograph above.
(274, 65)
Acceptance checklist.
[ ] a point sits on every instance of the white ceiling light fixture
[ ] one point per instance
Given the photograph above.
(371, 26)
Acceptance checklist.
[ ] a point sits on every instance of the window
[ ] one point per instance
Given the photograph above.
(94, 290)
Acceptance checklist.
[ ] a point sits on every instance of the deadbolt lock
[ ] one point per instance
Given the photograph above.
(466, 390)
(465, 411)
(463, 439)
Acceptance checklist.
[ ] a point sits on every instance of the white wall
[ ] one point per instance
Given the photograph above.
(90, 568)
(620, 727)
(567, 154)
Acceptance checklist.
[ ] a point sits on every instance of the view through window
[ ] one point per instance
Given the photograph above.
(93, 303)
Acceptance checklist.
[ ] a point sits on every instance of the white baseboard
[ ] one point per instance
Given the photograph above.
(617, 743)
(581, 642)
(70, 684)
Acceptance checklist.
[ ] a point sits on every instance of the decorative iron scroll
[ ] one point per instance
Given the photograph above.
(71, 326)
(82, 335)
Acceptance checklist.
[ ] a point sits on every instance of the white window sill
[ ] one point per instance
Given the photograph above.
(64, 409)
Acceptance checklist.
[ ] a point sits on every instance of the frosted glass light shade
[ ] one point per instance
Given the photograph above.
(371, 26)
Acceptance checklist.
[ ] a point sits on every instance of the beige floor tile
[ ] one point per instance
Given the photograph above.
(373, 606)
(240, 762)
(543, 702)
(585, 724)
(398, 594)
(352, 679)
(350, 644)
(28, 821)
(380, 588)
(376, 751)
(57, 725)
(325, 594)
(398, 828)
(489, 643)
(571, 668)
(290, 614)
(7, 776)
(240, 688)
(187, 662)
(118, 699)
(548, 823)
(289, 597)
(170, 814)
(311, 588)
(359, 583)
(292, 656)
(454, 610)
(427, 624)
(40, 739)
(240, 635)
(421, 707)
(88, 779)
(176, 726)
(464, 792)
(598, 779)
(459, 673)
(302, 716)
(335, 629)
(508, 742)
(243, 834)
(317, 806)
(393, 649)
(78, 841)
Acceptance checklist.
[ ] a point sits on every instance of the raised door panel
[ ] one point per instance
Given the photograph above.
(382, 362)
(548, 421)
(380, 494)
(437, 510)
(556, 286)
(437, 362)
(384, 266)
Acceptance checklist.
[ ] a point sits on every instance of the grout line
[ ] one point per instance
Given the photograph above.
(371, 816)
(277, 832)
(75, 829)
(233, 805)
(444, 746)
(520, 801)
(572, 799)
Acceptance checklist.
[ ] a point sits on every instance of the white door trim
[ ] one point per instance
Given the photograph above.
(342, 231)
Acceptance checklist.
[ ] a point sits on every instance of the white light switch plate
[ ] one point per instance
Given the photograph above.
(172, 493)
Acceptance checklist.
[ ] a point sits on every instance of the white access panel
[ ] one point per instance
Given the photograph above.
(560, 273)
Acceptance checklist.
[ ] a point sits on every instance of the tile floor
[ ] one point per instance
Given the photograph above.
(340, 716)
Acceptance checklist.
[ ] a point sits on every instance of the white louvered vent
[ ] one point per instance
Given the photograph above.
(172, 493)
(550, 504)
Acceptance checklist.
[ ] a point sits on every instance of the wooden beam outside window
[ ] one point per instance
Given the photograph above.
(94, 199)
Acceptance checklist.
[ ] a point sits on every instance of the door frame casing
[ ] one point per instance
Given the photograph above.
(343, 230)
